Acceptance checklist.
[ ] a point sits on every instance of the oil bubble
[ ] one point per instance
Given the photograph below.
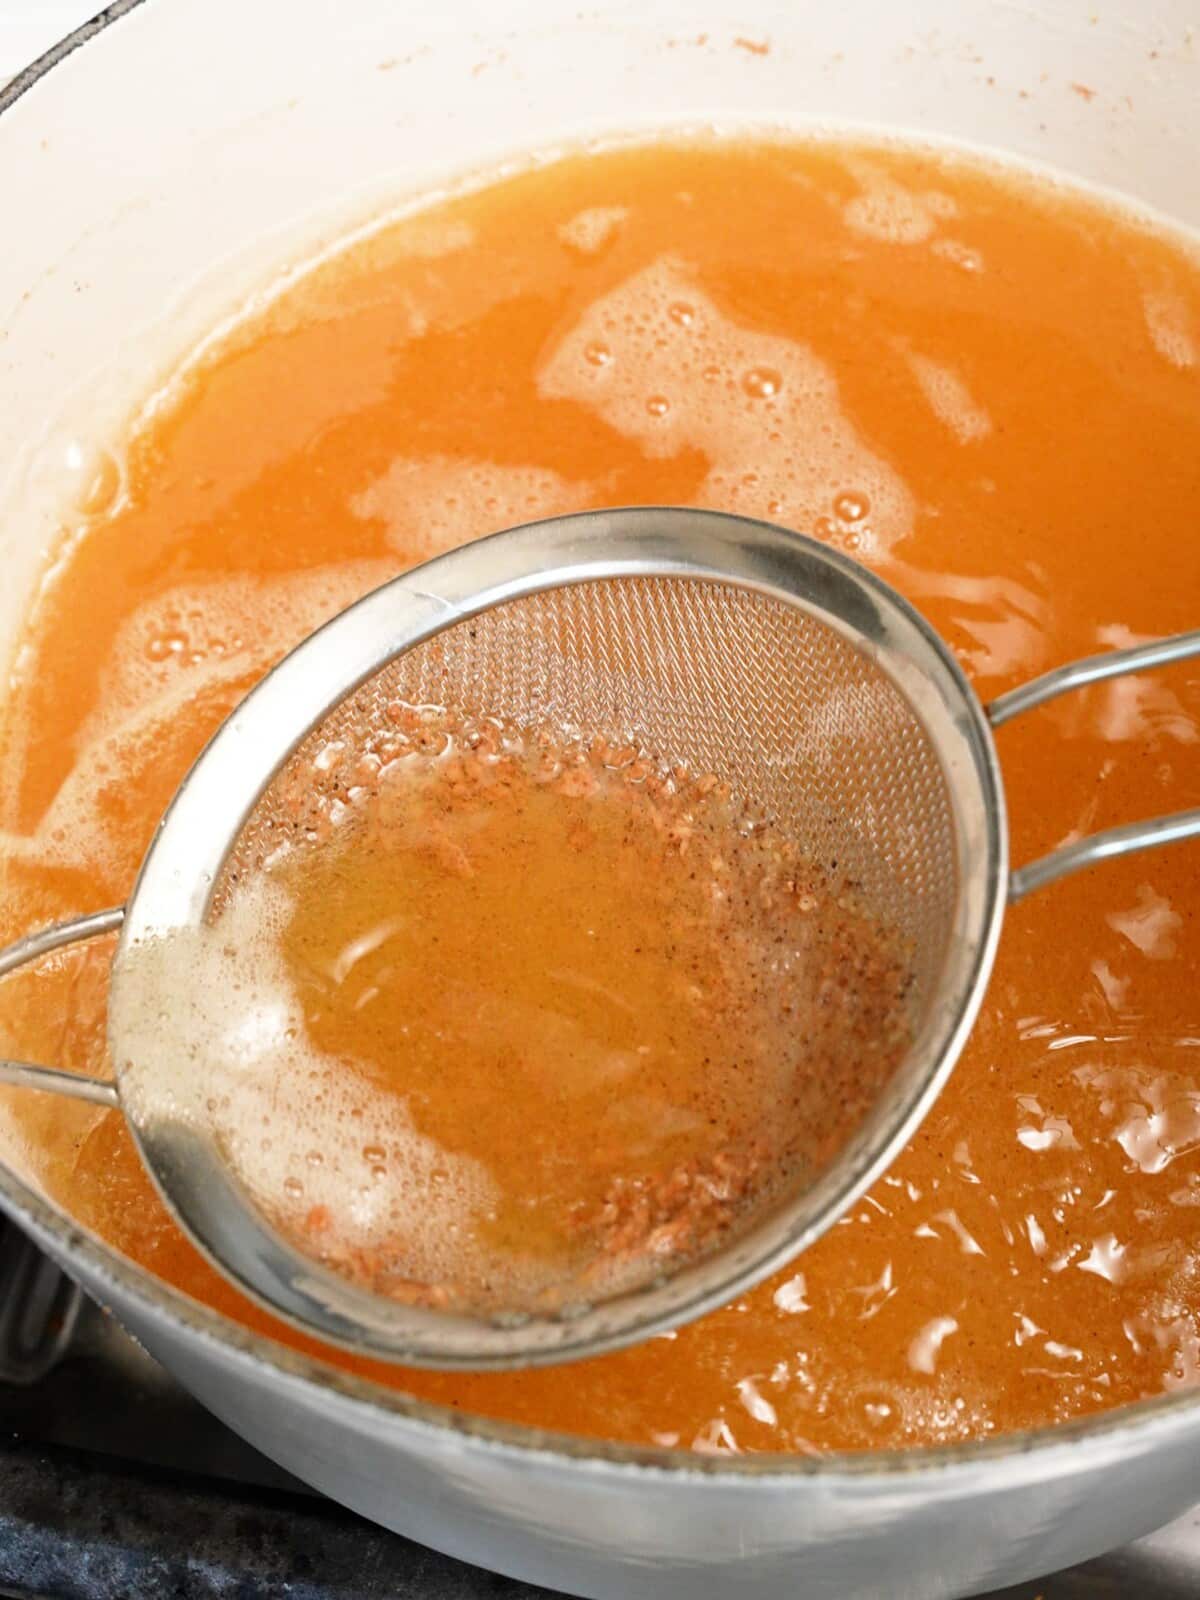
(78, 474)
(162, 646)
(762, 383)
(851, 506)
(98, 493)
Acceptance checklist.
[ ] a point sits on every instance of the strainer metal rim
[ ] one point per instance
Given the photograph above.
(183, 864)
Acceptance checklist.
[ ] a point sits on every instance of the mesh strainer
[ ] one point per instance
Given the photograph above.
(737, 648)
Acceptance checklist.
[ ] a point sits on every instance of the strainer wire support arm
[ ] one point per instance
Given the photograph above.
(25, 1074)
(1130, 836)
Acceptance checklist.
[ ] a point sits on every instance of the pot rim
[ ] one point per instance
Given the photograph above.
(1146, 1424)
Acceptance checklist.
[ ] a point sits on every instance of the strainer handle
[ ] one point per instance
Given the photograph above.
(24, 1074)
(1130, 836)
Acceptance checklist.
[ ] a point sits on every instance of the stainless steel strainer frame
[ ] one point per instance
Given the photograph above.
(184, 862)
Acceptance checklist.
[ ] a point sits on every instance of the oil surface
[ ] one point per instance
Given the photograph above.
(988, 389)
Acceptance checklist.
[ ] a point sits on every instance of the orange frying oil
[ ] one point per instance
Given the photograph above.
(985, 387)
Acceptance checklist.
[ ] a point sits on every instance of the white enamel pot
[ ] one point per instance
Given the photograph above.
(154, 169)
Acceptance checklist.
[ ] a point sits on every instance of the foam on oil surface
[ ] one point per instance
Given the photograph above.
(1172, 329)
(589, 231)
(310, 1137)
(191, 651)
(661, 363)
(890, 212)
(949, 399)
(437, 503)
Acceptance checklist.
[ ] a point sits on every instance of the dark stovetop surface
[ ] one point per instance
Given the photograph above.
(116, 1485)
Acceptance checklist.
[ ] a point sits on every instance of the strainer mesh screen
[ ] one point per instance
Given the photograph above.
(807, 731)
